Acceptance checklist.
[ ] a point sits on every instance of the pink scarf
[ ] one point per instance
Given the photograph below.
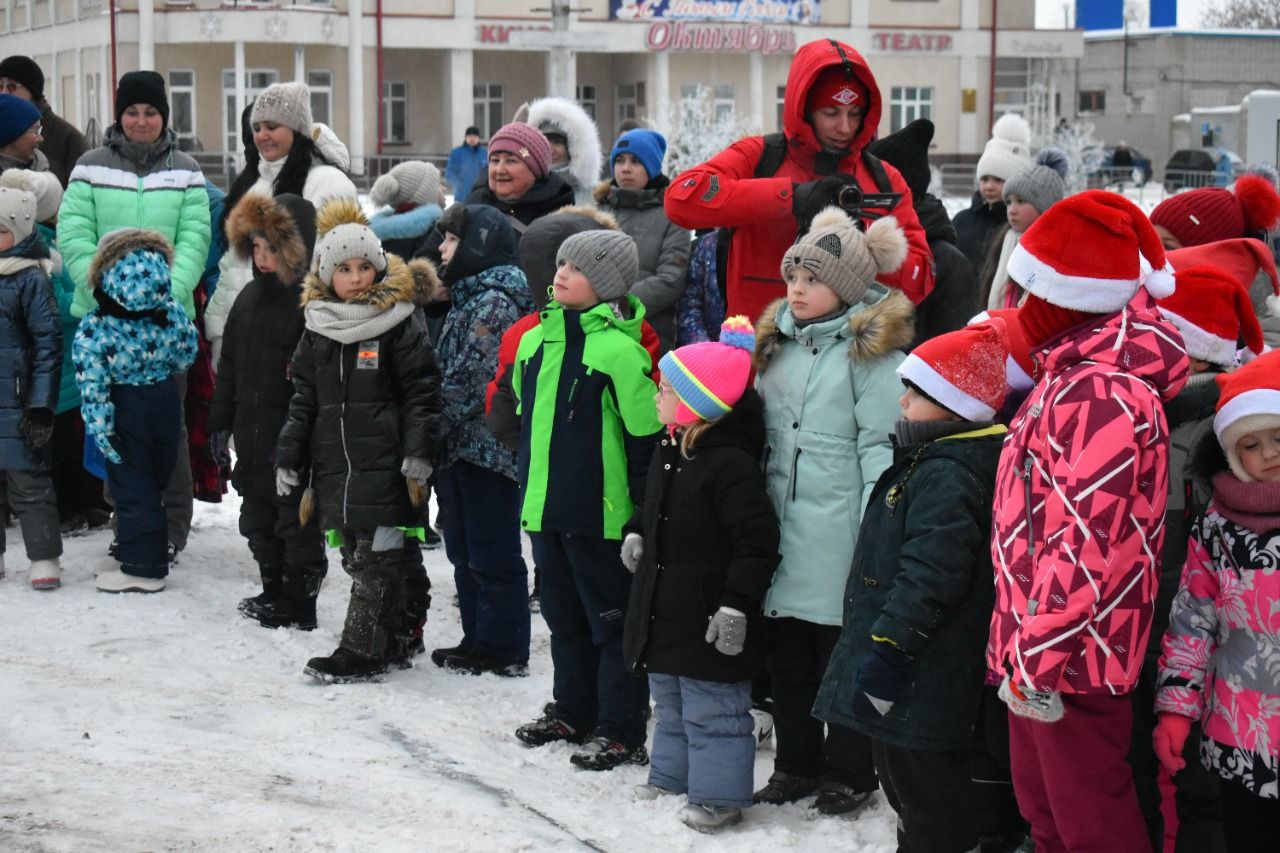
(1255, 506)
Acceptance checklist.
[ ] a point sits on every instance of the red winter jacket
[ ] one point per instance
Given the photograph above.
(1079, 507)
(722, 192)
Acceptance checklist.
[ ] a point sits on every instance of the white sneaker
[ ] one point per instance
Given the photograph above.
(46, 574)
(118, 581)
(763, 726)
(650, 791)
(710, 818)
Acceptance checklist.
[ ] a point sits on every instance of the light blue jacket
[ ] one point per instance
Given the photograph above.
(830, 395)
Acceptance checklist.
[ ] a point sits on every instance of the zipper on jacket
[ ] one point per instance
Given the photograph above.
(342, 428)
(1026, 477)
(795, 470)
(573, 394)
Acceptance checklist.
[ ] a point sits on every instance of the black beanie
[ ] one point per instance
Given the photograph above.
(25, 71)
(908, 152)
(142, 87)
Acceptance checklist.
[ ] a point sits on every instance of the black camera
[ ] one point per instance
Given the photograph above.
(850, 198)
(865, 206)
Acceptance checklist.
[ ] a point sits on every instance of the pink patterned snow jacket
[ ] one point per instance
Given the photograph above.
(1079, 506)
(1221, 661)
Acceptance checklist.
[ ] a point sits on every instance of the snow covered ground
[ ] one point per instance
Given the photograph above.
(169, 722)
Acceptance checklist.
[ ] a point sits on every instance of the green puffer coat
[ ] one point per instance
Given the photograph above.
(125, 184)
(922, 580)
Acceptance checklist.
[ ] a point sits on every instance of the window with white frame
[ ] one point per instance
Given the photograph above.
(255, 81)
(395, 111)
(908, 103)
(182, 107)
(321, 85)
(725, 102)
(626, 102)
(1013, 79)
(488, 112)
(587, 99)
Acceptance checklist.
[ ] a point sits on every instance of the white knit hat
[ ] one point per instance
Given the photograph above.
(344, 233)
(17, 211)
(1008, 150)
(43, 185)
(287, 104)
(412, 182)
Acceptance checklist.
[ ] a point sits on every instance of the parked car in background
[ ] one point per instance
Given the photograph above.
(1134, 168)
(1201, 167)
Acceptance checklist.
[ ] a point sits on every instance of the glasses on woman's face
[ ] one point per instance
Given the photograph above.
(36, 130)
(12, 87)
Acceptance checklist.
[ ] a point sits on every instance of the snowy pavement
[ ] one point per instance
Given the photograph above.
(169, 722)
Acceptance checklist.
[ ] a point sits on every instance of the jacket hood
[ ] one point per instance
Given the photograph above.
(933, 218)
(809, 62)
(486, 239)
(743, 427)
(288, 222)
(611, 195)
(542, 240)
(114, 246)
(411, 224)
(1136, 340)
(415, 281)
(330, 146)
(872, 328)
(568, 118)
(504, 278)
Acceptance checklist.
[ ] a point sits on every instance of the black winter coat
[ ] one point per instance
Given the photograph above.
(953, 302)
(976, 226)
(30, 351)
(359, 409)
(710, 539)
(924, 581)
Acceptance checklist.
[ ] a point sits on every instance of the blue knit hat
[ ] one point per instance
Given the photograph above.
(647, 146)
(16, 115)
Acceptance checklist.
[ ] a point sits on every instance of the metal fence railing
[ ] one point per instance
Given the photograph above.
(221, 167)
(957, 179)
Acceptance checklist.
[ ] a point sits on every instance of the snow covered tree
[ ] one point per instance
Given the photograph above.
(697, 129)
(1243, 14)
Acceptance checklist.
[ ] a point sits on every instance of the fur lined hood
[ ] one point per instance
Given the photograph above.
(118, 244)
(415, 281)
(585, 156)
(874, 330)
(287, 222)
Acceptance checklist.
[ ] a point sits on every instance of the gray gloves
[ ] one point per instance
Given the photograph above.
(416, 468)
(632, 551)
(728, 630)
(286, 481)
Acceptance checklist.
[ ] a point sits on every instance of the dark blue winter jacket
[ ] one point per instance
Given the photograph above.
(30, 348)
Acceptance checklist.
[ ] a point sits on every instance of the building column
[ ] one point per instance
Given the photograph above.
(355, 87)
(146, 35)
(660, 90)
(755, 91)
(241, 97)
(77, 66)
(460, 93)
(300, 64)
(971, 134)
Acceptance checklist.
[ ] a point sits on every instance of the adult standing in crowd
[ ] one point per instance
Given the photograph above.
(574, 141)
(139, 179)
(1006, 152)
(290, 154)
(466, 162)
(20, 136)
(831, 112)
(61, 143)
(634, 197)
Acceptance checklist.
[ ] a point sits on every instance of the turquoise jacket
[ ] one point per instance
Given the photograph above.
(584, 393)
(830, 394)
(64, 290)
(128, 185)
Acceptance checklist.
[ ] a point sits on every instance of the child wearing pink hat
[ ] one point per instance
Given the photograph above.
(703, 548)
(1219, 652)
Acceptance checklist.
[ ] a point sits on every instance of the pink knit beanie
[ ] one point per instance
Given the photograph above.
(526, 142)
(709, 378)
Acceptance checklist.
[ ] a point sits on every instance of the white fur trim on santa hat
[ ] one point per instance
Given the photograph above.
(1202, 344)
(1077, 292)
(1260, 401)
(1238, 429)
(1018, 379)
(921, 374)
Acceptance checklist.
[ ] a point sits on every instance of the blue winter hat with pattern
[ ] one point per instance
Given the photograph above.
(16, 116)
(647, 146)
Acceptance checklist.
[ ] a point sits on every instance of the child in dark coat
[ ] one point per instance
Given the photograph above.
(251, 400)
(703, 548)
(908, 668)
(126, 352)
(364, 419)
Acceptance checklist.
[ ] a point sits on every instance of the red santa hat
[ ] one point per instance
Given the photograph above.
(964, 370)
(1213, 312)
(1079, 254)
(1248, 401)
(1020, 367)
(1241, 258)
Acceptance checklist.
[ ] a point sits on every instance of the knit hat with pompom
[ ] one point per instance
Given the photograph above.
(1210, 214)
(710, 377)
(838, 254)
(412, 183)
(1008, 149)
(1042, 184)
(344, 234)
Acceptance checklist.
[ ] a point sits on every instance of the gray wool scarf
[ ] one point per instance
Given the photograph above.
(352, 322)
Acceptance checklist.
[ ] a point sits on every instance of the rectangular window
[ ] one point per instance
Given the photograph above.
(1093, 102)
(395, 115)
(626, 101)
(1013, 79)
(254, 82)
(321, 85)
(908, 103)
(182, 107)
(587, 98)
(725, 102)
(488, 114)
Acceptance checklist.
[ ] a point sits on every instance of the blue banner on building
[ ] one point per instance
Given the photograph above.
(765, 11)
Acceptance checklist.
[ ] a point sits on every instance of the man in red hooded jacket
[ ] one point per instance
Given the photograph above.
(832, 110)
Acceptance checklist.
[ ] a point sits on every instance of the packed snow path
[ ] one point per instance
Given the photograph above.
(170, 722)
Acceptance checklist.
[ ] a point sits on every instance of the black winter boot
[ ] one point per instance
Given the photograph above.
(272, 592)
(548, 728)
(344, 667)
(785, 788)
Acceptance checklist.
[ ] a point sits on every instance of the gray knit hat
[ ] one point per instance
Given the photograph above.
(17, 212)
(411, 182)
(1042, 184)
(845, 259)
(344, 234)
(607, 258)
(288, 104)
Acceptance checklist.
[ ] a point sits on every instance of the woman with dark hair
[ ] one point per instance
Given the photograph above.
(288, 154)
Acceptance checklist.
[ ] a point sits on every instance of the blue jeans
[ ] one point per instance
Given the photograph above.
(585, 589)
(702, 740)
(480, 511)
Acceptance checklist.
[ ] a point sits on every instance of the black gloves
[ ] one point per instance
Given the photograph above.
(808, 199)
(36, 427)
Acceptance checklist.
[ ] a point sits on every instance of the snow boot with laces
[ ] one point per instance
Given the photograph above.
(602, 753)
